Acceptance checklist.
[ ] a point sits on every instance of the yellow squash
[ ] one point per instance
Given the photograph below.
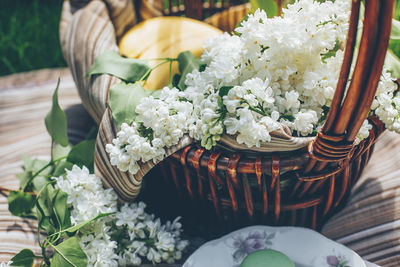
(165, 37)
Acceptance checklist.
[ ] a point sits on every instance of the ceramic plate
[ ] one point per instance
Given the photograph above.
(305, 247)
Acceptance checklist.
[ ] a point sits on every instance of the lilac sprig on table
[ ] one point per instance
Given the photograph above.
(125, 237)
(79, 222)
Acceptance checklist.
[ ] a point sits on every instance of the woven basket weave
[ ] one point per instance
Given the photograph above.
(301, 187)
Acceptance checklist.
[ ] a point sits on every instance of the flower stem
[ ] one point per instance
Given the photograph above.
(164, 58)
(147, 74)
(59, 252)
(257, 110)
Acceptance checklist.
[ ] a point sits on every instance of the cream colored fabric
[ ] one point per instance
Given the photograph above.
(281, 140)
(87, 32)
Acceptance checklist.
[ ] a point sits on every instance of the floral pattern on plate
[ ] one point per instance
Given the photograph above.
(305, 247)
(244, 245)
(336, 261)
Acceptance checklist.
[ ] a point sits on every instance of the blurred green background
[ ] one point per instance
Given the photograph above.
(29, 35)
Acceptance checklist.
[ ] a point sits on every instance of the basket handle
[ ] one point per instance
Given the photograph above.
(335, 140)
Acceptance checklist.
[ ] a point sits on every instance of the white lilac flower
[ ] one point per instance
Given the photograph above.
(364, 131)
(163, 122)
(305, 121)
(99, 248)
(165, 241)
(292, 100)
(386, 104)
(280, 70)
(129, 213)
(147, 237)
(129, 258)
(5, 264)
(87, 199)
(86, 195)
(140, 234)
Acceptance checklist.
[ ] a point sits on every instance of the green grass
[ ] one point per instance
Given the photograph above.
(29, 35)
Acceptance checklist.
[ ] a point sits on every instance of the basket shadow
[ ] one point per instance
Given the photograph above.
(79, 123)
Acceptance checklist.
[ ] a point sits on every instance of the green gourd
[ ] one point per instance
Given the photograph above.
(267, 258)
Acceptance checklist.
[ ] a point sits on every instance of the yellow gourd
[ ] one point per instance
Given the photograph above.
(165, 37)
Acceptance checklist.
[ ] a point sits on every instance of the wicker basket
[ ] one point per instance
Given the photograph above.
(302, 187)
(268, 188)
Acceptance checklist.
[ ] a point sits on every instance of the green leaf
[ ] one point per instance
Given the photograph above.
(82, 154)
(392, 62)
(83, 224)
(223, 91)
(21, 203)
(24, 258)
(395, 33)
(47, 225)
(56, 121)
(31, 166)
(60, 151)
(69, 253)
(61, 167)
(24, 178)
(175, 80)
(124, 98)
(39, 182)
(126, 69)
(61, 210)
(79, 226)
(44, 207)
(187, 62)
(269, 6)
